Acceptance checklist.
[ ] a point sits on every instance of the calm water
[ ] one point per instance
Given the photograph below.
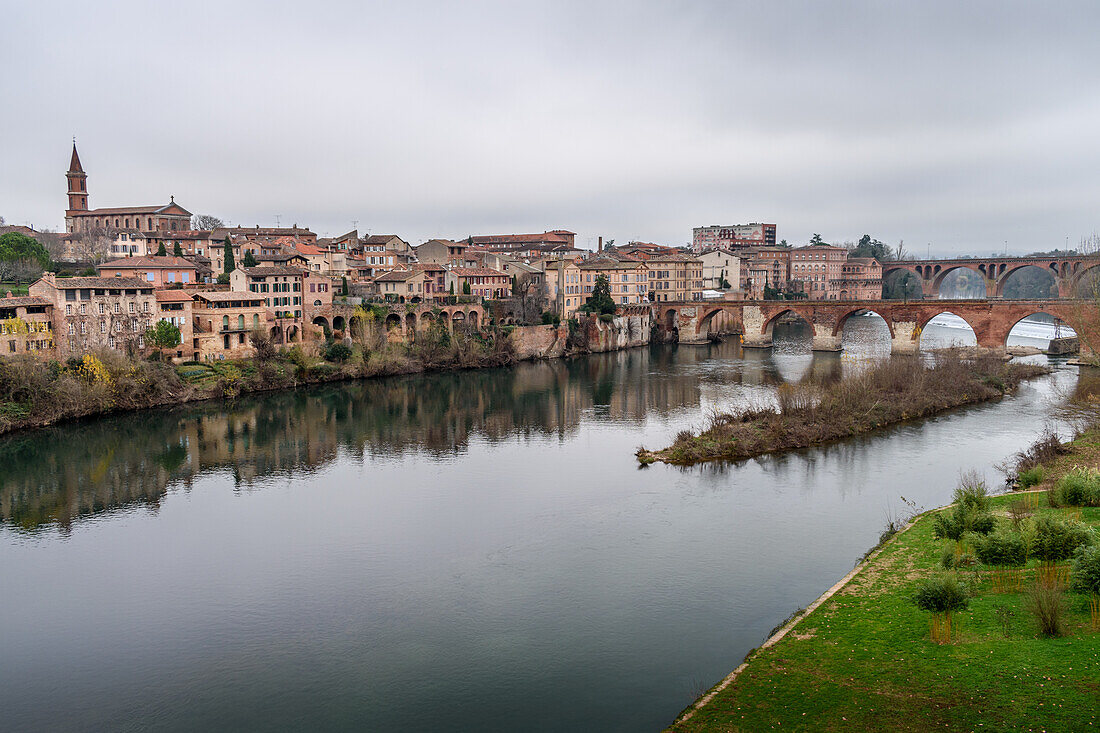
(470, 551)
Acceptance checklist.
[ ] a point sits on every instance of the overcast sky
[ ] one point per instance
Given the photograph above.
(962, 125)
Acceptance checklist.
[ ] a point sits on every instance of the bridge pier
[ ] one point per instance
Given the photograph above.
(824, 340)
(905, 338)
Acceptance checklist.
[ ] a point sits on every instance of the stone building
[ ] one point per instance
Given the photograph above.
(281, 289)
(174, 306)
(483, 282)
(562, 280)
(97, 312)
(223, 321)
(628, 279)
(26, 326)
(721, 265)
(675, 277)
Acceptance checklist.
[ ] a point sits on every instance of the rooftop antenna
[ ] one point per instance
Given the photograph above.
(277, 222)
(355, 224)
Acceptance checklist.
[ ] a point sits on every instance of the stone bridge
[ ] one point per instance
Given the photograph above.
(995, 271)
(991, 320)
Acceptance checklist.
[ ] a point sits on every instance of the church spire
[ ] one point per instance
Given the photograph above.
(74, 162)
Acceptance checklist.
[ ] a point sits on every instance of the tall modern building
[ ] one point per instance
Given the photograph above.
(733, 236)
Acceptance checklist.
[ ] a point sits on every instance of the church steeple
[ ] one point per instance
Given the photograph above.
(78, 188)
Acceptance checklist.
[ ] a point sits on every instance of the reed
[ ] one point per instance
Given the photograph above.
(1007, 580)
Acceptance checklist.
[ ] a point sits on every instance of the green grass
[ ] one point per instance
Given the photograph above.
(864, 659)
(16, 290)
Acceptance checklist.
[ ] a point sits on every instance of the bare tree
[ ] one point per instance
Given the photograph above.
(530, 296)
(1089, 245)
(53, 243)
(93, 245)
(900, 253)
(206, 222)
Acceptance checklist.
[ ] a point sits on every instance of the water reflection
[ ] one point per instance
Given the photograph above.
(57, 475)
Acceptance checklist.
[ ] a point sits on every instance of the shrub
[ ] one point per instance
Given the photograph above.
(223, 278)
(323, 370)
(962, 518)
(1086, 570)
(944, 594)
(607, 317)
(1047, 604)
(972, 492)
(1000, 548)
(1057, 539)
(953, 558)
(1032, 477)
(338, 352)
(1079, 487)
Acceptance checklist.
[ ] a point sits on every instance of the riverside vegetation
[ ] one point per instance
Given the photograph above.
(36, 392)
(985, 614)
(900, 388)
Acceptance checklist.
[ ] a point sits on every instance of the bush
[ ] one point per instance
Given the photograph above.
(1000, 548)
(953, 560)
(1048, 605)
(1057, 539)
(338, 352)
(223, 279)
(944, 594)
(1086, 570)
(1032, 477)
(323, 370)
(1079, 487)
(953, 524)
(972, 492)
(607, 317)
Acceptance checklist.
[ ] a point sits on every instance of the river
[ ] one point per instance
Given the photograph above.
(464, 551)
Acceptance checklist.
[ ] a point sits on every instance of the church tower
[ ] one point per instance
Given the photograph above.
(78, 189)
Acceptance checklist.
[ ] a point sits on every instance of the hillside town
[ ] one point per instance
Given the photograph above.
(121, 270)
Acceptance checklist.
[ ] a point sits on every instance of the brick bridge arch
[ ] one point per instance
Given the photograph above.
(991, 320)
(995, 271)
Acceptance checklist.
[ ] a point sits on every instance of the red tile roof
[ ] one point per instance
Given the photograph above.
(144, 263)
(170, 296)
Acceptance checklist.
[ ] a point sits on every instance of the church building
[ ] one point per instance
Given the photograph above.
(170, 217)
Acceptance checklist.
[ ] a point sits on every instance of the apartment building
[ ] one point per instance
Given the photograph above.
(97, 312)
(223, 321)
(174, 306)
(674, 277)
(26, 325)
(628, 280)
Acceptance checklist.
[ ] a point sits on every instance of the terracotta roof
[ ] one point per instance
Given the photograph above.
(143, 263)
(379, 238)
(610, 264)
(154, 209)
(221, 296)
(476, 271)
(428, 267)
(399, 276)
(558, 236)
(22, 300)
(115, 283)
(265, 271)
(171, 296)
(308, 249)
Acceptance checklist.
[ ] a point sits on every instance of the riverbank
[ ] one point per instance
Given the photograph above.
(862, 656)
(898, 389)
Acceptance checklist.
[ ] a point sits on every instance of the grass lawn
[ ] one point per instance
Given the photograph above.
(865, 660)
(14, 289)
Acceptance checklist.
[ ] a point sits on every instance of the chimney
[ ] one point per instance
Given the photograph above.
(599, 245)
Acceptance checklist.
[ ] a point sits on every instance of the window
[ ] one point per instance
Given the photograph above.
(103, 326)
(72, 328)
(132, 309)
(145, 306)
(68, 309)
(118, 307)
(83, 327)
(240, 322)
(225, 323)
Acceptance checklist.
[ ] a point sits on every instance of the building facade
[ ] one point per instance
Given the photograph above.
(628, 280)
(26, 326)
(161, 272)
(721, 270)
(97, 312)
(223, 322)
(674, 277)
(732, 236)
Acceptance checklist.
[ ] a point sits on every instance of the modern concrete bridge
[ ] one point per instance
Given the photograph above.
(991, 319)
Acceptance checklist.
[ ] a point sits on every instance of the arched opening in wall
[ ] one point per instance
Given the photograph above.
(458, 321)
(410, 326)
(338, 323)
(901, 285)
(276, 335)
(472, 319)
(393, 322)
(427, 320)
(1028, 283)
(790, 333)
(864, 333)
(671, 321)
(962, 283)
(292, 334)
(355, 328)
(946, 330)
(322, 322)
(1037, 329)
(1088, 284)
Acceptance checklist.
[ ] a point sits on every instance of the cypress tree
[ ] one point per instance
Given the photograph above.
(161, 251)
(177, 250)
(230, 265)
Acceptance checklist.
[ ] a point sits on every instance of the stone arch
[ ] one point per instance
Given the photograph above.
(839, 329)
(472, 319)
(292, 334)
(1005, 274)
(393, 322)
(926, 318)
(458, 319)
(276, 335)
(766, 329)
(940, 273)
(1083, 284)
(707, 319)
(338, 323)
(1014, 321)
(410, 322)
(322, 322)
(671, 319)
